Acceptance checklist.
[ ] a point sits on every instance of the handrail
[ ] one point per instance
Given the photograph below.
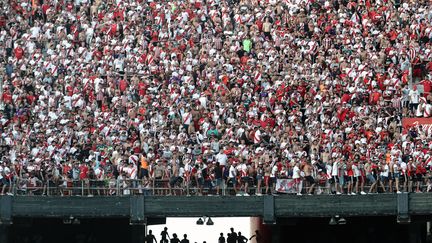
(155, 187)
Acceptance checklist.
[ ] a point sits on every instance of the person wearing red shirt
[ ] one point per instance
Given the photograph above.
(345, 98)
(19, 53)
(31, 98)
(98, 54)
(374, 97)
(69, 6)
(427, 84)
(410, 174)
(393, 36)
(123, 85)
(83, 171)
(119, 14)
(101, 15)
(419, 171)
(113, 29)
(66, 169)
(244, 59)
(155, 36)
(142, 89)
(342, 113)
(351, 179)
(2, 21)
(45, 8)
(7, 96)
(270, 122)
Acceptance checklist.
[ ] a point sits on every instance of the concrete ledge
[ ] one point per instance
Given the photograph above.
(284, 206)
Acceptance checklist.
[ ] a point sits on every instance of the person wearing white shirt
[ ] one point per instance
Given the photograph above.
(89, 35)
(221, 158)
(272, 179)
(244, 178)
(335, 176)
(297, 178)
(257, 137)
(232, 176)
(403, 170)
(187, 118)
(6, 180)
(384, 174)
(329, 168)
(358, 180)
(133, 159)
(394, 166)
(414, 98)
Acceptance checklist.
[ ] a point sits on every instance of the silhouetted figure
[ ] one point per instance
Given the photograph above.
(232, 237)
(150, 238)
(175, 239)
(164, 235)
(221, 238)
(257, 235)
(185, 240)
(241, 238)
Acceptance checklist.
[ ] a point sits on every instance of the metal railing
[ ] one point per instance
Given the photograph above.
(170, 187)
(114, 187)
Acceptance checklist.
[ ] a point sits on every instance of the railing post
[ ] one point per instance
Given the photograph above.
(118, 187)
(14, 187)
(82, 188)
(187, 187)
(410, 76)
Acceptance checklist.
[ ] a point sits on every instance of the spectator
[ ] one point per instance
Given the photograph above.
(165, 236)
(232, 237)
(150, 238)
(257, 236)
(241, 238)
(184, 240)
(182, 81)
(221, 238)
(175, 239)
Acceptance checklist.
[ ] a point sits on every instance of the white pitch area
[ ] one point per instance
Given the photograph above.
(201, 233)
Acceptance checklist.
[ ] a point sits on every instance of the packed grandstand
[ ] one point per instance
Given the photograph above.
(305, 96)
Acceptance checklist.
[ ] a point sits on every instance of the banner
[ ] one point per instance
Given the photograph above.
(407, 123)
(285, 186)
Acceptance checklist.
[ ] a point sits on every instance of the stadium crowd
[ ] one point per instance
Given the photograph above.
(212, 91)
